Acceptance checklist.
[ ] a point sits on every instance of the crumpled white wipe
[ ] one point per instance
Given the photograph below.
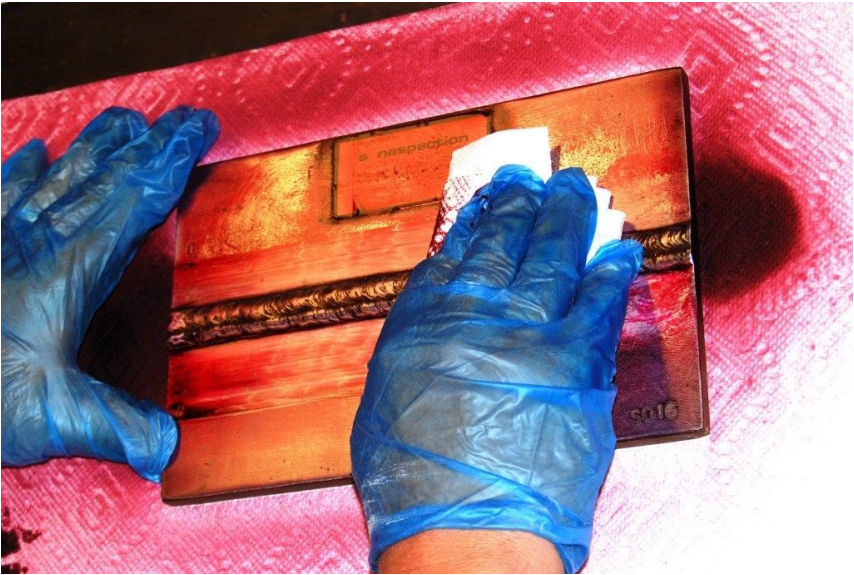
(474, 165)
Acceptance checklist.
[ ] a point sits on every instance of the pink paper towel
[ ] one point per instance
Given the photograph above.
(771, 101)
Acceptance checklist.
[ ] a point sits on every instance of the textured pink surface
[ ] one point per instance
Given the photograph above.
(772, 117)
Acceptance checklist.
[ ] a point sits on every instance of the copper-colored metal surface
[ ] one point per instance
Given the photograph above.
(264, 224)
(270, 246)
(304, 437)
(296, 368)
(630, 133)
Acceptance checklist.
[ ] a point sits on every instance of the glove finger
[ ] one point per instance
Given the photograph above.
(73, 210)
(439, 269)
(109, 131)
(595, 321)
(67, 215)
(552, 268)
(501, 237)
(20, 171)
(137, 193)
(141, 182)
(140, 152)
(157, 188)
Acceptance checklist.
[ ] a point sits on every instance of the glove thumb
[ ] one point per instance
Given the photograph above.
(76, 415)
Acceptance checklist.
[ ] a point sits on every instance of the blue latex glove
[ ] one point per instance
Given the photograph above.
(489, 395)
(69, 231)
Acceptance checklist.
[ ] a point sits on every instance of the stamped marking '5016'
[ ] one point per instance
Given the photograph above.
(667, 410)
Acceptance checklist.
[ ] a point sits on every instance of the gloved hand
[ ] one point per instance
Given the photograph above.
(69, 230)
(489, 395)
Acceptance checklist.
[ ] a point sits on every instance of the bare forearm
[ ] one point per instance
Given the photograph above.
(471, 551)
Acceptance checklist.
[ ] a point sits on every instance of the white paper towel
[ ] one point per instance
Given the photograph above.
(473, 166)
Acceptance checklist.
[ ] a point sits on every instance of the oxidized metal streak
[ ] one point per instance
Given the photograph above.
(356, 299)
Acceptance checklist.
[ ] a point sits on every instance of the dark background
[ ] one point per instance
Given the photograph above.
(51, 46)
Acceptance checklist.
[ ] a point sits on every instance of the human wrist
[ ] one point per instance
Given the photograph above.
(471, 551)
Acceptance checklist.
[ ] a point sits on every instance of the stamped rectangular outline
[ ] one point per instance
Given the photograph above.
(394, 151)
